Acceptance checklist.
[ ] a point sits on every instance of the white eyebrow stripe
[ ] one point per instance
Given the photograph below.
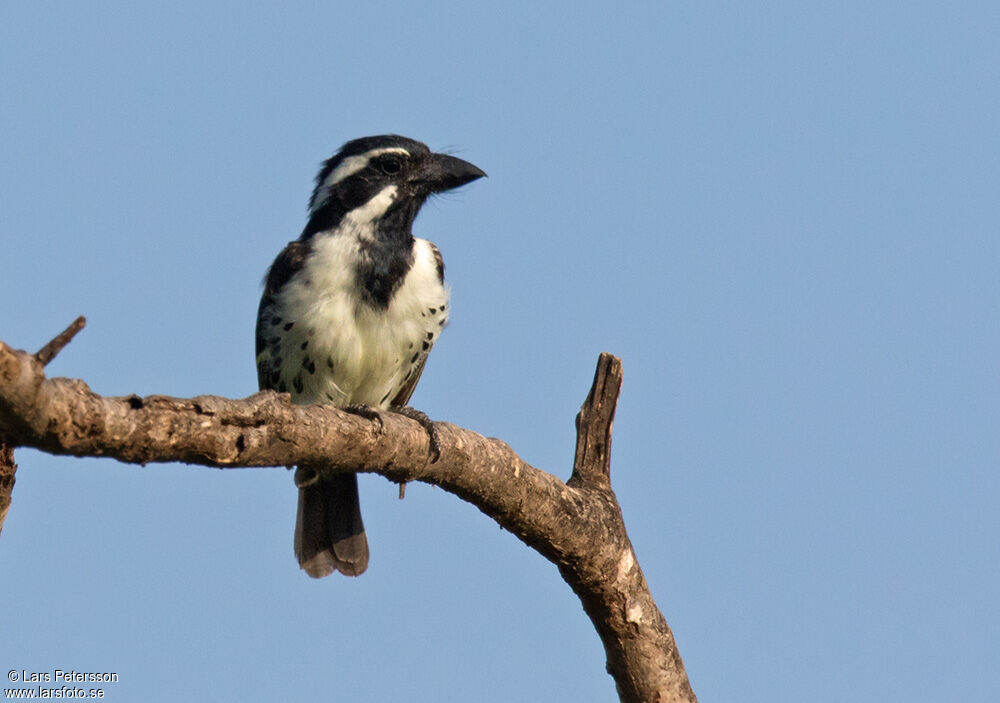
(353, 164)
(348, 167)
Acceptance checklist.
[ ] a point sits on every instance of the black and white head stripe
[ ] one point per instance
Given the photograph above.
(354, 157)
(384, 179)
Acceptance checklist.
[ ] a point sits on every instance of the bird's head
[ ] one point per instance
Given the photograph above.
(385, 179)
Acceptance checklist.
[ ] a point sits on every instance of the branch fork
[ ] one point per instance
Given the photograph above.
(577, 525)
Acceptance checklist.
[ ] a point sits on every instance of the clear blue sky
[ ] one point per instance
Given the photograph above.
(784, 219)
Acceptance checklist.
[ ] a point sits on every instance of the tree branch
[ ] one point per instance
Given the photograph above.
(592, 463)
(7, 466)
(577, 525)
(50, 350)
(7, 470)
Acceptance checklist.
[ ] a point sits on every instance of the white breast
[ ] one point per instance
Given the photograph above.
(343, 350)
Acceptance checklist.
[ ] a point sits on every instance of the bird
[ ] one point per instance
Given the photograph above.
(349, 313)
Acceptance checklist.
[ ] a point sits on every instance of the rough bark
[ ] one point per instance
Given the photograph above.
(577, 525)
(7, 470)
(7, 466)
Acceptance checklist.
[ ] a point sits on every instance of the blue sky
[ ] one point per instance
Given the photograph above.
(783, 218)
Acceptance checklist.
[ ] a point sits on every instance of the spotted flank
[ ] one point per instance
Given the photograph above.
(369, 356)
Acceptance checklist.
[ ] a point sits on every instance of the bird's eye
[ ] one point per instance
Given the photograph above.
(390, 166)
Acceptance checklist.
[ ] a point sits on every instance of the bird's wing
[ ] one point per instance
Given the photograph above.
(289, 261)
(403, 397)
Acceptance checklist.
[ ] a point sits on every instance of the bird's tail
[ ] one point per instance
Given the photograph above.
(329, 533)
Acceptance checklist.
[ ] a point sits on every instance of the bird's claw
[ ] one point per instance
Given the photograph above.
(368, 413)
(433, 437)
(305, 476)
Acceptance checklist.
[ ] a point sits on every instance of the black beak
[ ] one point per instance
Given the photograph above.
(443, 172)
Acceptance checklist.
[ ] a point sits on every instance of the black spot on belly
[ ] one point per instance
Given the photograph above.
(329, 361)
(282, 388)
(304, 345)
(275, 320)
(275, 377)
(430, 335)
(297, 382)
(288, 326)
(427, 345)
(432, 310)
(413, 359)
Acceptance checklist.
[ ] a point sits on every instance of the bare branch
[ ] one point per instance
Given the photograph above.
(49, 351)
(592, 463)
(578, 526)
(7, 470)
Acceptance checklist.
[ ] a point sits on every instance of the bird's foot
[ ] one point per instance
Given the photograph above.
(433, 437)
(305, 476)
(368, 413)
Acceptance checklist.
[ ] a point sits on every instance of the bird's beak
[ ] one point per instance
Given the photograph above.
(443, 172)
